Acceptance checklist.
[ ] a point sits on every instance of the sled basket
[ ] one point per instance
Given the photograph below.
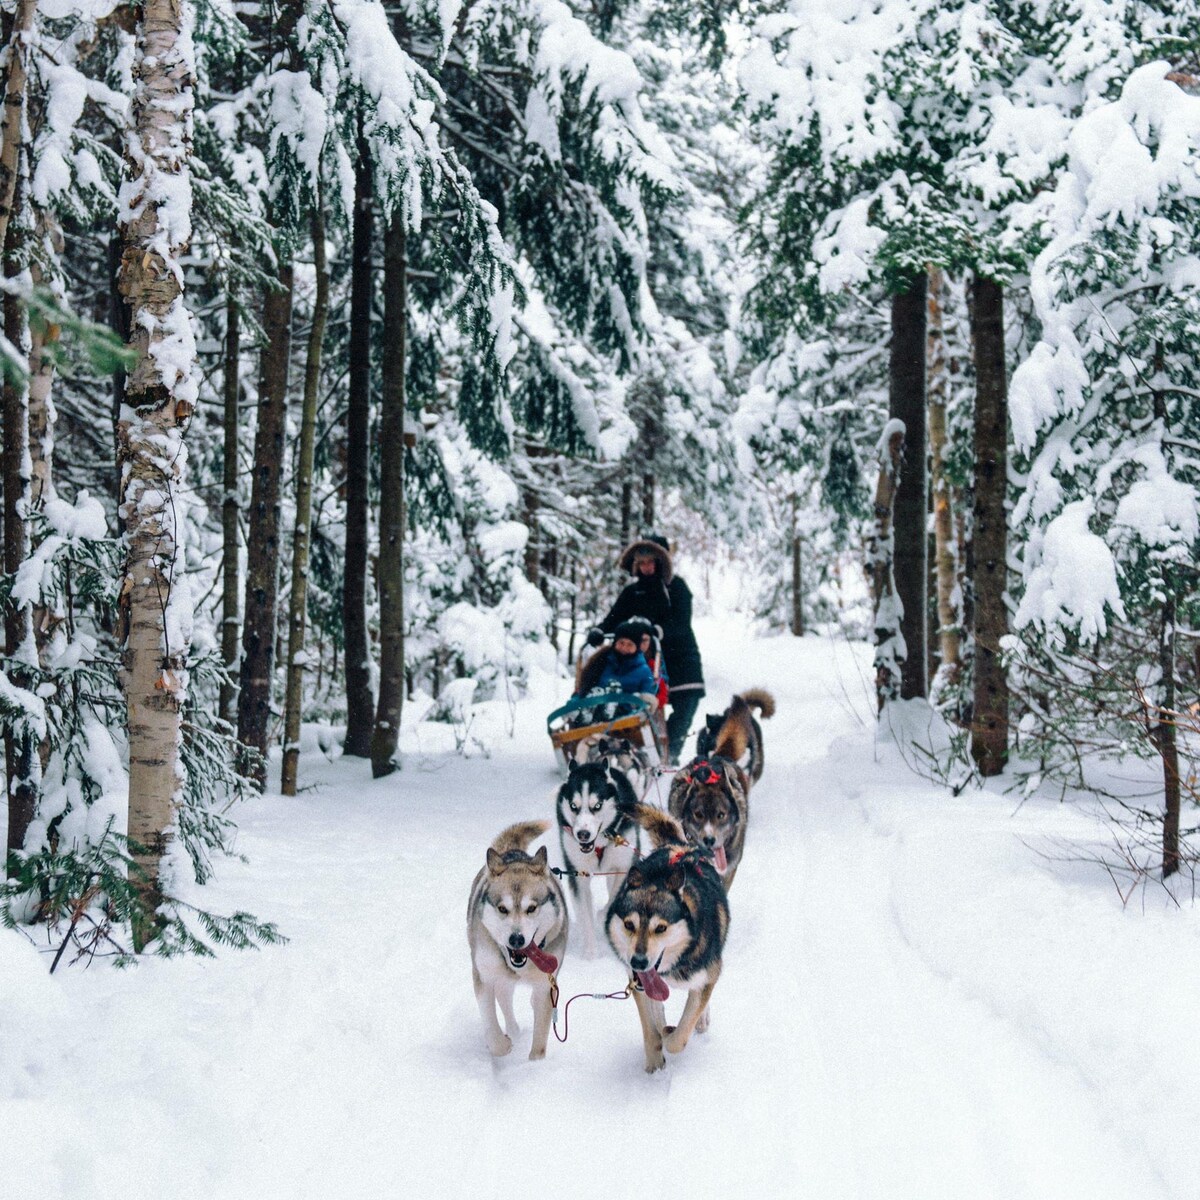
(641, 727)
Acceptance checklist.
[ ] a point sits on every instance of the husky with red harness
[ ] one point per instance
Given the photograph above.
(710, 798)
(596, 807)
(667, 924)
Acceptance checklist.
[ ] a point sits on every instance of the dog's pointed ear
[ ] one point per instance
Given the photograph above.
(675, 880)
(495, 862)
(540, 859)
(635, 878)
(572, 766)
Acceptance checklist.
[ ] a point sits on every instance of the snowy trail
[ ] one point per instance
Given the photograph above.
(878, 1032)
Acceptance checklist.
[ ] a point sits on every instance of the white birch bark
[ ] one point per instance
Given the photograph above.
(12, 125)
(160, 396)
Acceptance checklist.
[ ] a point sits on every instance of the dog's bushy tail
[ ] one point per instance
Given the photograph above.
(761, 699)
(663, 829)
(517, 837)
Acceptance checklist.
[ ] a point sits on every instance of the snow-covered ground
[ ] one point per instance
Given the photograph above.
(915, 1003)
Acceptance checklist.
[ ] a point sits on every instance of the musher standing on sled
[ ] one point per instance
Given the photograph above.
(658, 594)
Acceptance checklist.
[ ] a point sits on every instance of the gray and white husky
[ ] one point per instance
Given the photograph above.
(517, 930)
(596, 807)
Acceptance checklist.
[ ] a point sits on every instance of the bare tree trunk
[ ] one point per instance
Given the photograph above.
(43, 338)
(22, 764)
(989, 726)
(160, 398)
(880, 566)
(906, 402)
(533, 544)
(574, 610)
(360, 708)
(648, 501)
(945, 556)
(12, 125)
(797, 577)
(230, 572)
(263, 531)
(118, 312)
(302, 534)
(386, 735)
(626, 512)
(1166, 737)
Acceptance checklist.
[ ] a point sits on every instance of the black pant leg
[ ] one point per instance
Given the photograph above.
(679, 723)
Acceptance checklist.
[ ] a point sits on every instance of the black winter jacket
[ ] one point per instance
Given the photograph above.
(671, 608)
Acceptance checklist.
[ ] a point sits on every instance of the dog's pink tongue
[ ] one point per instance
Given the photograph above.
(653, 984)
(546, 963)
(719, 858)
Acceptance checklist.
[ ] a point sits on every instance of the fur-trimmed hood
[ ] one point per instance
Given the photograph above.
(666, 569)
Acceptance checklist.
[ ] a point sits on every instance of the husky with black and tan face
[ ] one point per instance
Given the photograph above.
(667, 924)
(596, 826)
(517, 931)
(710, 798)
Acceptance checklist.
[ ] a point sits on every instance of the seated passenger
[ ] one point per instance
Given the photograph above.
(625, 666)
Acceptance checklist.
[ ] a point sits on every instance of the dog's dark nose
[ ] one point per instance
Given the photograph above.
(639, 962)
(516, 940)
(710, 841)
(583, 835)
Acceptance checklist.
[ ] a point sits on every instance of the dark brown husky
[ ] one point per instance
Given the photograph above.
(667, 924)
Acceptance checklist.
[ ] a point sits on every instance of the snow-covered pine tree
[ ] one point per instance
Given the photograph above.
(866, 189)
(1105, 421)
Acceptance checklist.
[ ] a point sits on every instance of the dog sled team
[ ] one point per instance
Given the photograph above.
(668, 873)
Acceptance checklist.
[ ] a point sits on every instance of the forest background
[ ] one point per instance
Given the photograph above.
(346, 343)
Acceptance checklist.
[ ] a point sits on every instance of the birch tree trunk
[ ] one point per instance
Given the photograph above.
(360, 708)
(302, 537)
(906, 402)
(230, 571)
(262, 534)
(160, 396)
(945, 557)
(386, 734)
(12, 125)
(989, 726)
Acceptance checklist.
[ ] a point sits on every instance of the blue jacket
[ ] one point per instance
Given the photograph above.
(631, 672)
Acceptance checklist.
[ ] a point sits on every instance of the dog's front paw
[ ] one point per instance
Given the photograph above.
(655, 1062)
(500, 1045)
(674, 1039)
(536, 1053)
(702, 1024)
